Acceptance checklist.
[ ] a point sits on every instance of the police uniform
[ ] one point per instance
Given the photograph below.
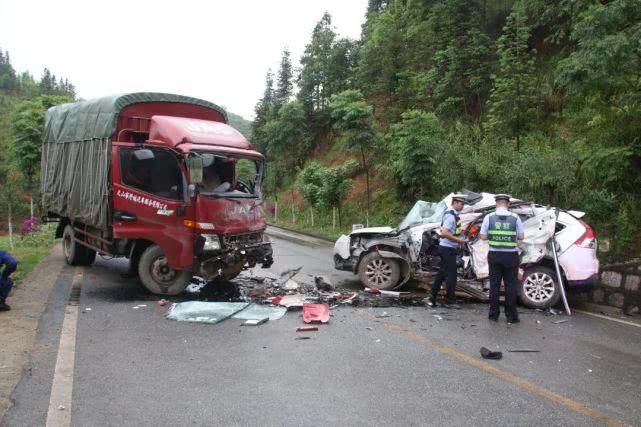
(502, 229)
(10, 265)
(447, 251)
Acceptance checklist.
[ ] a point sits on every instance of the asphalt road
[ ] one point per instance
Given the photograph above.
(133, 367)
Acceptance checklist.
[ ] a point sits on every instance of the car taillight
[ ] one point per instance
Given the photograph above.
(588, 239)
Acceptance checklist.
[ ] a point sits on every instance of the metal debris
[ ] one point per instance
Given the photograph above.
(524, 350)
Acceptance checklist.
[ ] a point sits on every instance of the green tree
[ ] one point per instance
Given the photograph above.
(285, 133)
(459, 77)
(284, 86)
(314, 79)
(8, 79)
(336, 185)
(416, 143)
(28, 126)
(310, 182)
(513, 99)
(353, 117)
(263, 110)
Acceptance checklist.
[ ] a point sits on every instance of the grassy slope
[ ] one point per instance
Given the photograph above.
(29, 250)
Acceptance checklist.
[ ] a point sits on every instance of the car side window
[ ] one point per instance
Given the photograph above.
(160, 176)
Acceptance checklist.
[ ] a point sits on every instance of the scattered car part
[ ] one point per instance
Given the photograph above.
(307, 329)
(315, 313)
(488, 354)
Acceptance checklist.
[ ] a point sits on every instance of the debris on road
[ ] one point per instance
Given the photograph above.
(307, 329)
(560, 321)
(291, 285)
(524, 350)
(163, 302)
(488, 354)
(302, 338)
(255, 322)
(315, 313)
(323, 284)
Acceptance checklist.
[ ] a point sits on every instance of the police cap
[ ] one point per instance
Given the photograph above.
(506, 197)
(461, 197)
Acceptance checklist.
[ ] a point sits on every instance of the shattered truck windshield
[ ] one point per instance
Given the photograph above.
(423, 213)
(230, 176)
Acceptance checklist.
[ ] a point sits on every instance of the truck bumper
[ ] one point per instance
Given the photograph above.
(231, 262)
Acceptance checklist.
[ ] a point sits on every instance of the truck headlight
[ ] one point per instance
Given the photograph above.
(212, 242)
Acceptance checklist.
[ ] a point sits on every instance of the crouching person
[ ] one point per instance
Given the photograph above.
(8, 265)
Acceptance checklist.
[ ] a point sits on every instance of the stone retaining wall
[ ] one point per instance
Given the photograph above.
(620, 286)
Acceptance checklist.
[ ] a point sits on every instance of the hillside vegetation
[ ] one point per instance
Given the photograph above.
(537, 98)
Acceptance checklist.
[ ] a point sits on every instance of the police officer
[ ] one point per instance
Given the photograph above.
(503, 230)
(449, 242)
(10, 265)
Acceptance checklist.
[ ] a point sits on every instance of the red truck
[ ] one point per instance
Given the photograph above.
(159, 179)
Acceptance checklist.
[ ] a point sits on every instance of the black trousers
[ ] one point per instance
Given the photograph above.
(504, 266)
(447, 273)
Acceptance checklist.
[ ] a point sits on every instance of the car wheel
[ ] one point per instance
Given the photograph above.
(157, 276)
(377, 272)
(74, 252)
(539, 288)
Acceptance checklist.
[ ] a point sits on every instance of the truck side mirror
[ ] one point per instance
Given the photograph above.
(144, 154)
(195, 166)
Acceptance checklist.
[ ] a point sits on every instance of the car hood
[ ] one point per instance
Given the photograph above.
(372, 230)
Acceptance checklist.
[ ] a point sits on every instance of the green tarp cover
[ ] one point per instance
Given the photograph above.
(76, 154)
(97, 118)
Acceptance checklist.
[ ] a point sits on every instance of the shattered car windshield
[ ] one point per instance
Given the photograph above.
(424, 213)
(230, 176)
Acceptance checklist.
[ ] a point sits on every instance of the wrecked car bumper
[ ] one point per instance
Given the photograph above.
(212, 264)
(344, 264)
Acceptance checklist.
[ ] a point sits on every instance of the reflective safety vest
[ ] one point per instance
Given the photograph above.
(501, 231)
(458, 230)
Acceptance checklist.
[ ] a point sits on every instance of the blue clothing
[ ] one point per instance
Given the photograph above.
(10, 264)
(451, 222)
(502, 212)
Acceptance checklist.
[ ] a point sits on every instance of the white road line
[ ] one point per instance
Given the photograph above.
(601, 316)
(59, 414)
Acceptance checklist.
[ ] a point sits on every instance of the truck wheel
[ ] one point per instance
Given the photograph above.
(539, 288)
(74, 252)
(378, 272)
(157, 276)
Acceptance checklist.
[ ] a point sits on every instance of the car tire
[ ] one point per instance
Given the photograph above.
(74, 252)
(377, 272)
(539, 288)
(157, 276)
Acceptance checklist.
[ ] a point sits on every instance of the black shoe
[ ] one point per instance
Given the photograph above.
(4, 306)
(453, 306)
(515, 320)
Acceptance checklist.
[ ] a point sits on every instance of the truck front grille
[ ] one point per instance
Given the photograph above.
(243, 239)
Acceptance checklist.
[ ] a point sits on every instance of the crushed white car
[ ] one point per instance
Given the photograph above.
(386, 257)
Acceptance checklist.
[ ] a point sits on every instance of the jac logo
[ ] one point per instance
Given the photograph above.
(209, 127)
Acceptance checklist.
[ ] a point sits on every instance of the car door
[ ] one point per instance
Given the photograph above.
(149, 202)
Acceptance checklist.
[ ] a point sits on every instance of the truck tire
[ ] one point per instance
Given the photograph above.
(377, 272)
(157, 276)
(539, 288)
(74, 252)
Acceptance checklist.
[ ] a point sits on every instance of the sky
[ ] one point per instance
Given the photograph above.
(216, 50)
